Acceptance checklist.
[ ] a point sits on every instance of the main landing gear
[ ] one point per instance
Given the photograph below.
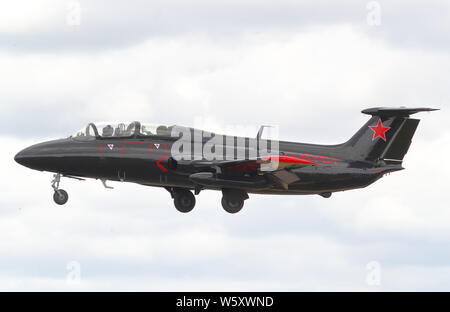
(60, 196)
(233, 200)
(232, 205)
(183, 199)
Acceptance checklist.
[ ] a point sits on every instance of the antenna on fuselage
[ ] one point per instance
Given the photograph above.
(261, 129)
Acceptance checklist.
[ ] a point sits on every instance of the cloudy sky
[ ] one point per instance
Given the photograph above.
(309, 67)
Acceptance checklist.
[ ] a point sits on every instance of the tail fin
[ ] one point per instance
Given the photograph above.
(387, 135)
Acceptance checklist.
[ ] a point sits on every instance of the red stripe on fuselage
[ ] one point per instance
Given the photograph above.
(313, 159)
(289, 159)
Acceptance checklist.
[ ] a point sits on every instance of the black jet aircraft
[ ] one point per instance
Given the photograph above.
(151, 155)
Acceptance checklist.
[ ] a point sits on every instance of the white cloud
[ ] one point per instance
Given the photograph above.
(107, 25)
(28, 16)
(322, 72)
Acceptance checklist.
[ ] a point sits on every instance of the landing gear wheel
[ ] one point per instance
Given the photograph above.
(325, 195)
(60, 197)
(232, 205)
(184, 200)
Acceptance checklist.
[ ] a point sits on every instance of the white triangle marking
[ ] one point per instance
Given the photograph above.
(157, 145)
(110, 146)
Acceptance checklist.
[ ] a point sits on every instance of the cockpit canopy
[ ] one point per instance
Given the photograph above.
(101, 130)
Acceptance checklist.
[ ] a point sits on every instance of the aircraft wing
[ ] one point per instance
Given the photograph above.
(266, 163)
(275, 168)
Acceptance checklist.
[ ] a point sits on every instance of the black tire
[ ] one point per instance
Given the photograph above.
(60, 197)
(325, 195)
(184, 200)
(231, 204)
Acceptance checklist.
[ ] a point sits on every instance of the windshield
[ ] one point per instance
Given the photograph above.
(85, 134)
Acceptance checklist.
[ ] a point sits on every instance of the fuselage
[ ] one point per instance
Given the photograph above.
(149, 161)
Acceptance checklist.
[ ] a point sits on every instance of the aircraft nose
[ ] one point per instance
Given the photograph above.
(24, 157)
(40, 156)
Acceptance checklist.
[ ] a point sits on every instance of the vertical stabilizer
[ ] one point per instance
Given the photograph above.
(387, 135)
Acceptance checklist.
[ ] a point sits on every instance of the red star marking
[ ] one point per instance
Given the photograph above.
(379, 130)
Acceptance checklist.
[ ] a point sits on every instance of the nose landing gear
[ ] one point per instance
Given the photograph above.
(60, 196)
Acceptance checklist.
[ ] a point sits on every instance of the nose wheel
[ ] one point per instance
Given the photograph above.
(60, 196)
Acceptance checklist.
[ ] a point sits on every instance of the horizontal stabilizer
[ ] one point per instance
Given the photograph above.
(395, 112)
